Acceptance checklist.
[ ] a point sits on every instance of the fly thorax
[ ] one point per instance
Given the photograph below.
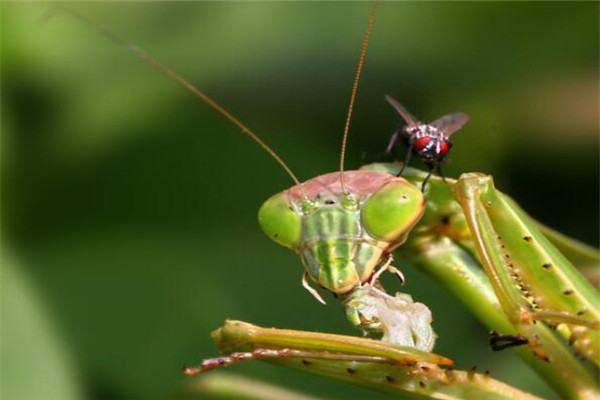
(335, 248)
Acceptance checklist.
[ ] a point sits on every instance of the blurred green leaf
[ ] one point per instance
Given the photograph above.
(36, 360)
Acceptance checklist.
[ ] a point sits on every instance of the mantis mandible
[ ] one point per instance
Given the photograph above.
(344, 225)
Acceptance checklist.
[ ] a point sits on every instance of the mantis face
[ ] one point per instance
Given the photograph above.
(342, 236)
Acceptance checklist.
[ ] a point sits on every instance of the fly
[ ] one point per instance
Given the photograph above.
(431, 142)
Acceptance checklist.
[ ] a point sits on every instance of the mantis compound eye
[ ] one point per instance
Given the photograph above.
(280, 221)
(391, 212)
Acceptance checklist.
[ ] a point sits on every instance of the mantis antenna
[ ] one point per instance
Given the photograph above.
(361, 62)
(169, 73)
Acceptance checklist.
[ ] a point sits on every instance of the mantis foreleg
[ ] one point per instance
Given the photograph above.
(406, 372)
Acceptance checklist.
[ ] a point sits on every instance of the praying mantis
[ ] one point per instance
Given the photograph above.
(563, 318)
(474, 239)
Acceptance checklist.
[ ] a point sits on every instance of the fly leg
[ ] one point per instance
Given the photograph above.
(393, 140)
(409, 151)
(430, 169)
(440, 173)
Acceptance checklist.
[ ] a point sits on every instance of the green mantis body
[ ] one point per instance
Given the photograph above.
(468, 225)
(526, 287)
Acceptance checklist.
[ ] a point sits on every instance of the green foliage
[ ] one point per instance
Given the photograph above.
(31, 345)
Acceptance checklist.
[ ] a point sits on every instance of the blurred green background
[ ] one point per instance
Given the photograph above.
(129, 209)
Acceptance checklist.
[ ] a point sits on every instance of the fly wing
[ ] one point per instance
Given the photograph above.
(451, 123)
(408, 118)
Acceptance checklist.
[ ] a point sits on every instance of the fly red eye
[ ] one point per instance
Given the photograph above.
(444, 147)
(421, 143)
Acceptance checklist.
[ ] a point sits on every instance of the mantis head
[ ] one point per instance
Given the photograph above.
(342, 236)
